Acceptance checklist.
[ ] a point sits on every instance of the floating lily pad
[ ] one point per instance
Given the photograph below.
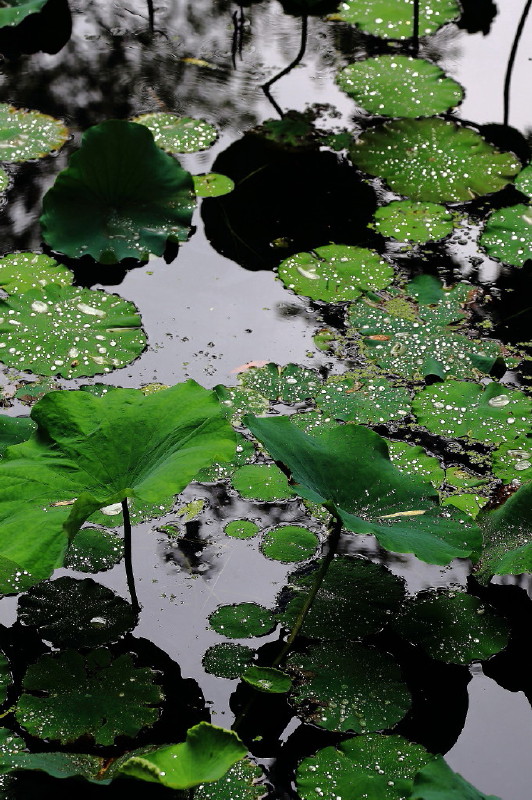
(267, 679)
(289, 543)
(433, 159)
(413, 460)
(139, 511)
(72, 613)
(409, 221)
(366, 403)
(69, 331)
(513, 460)
(508, 234)
(290, 384)
(228, 659)
(90, 695)
(25, 135)
(20, 272)
(264, 482)
(236, 402)
(14, 430)
(179, 134)
(242, 620)
(212, 185)
(399, 86)
(348, 687)
(120, 197)
(507, 538)
(452, 626)
(94, 550)
(242, 528)
(239, 783)
(335, 273)
(392, 19)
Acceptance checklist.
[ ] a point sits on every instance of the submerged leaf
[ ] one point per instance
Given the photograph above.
(392, 19)
(25, 135)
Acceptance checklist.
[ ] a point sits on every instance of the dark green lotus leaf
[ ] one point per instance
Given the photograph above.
(14, 430)
(413, 460)
(508, 234)
(267, 679)
(20, 272)
(4, 180)
(245, 452)
(72, 613)
(523, 182)
(212, 185)
(335, 273)
(289, 543)
(507, 536)
(410, 221)
(90, 452)
(433, 159)
(120, 197)
(392, 19)
(139, 511)
(242, 528)
(179, 134)
(69, 331)
(346, 687)
(437, 781)
(399, 86)
(239, 783)
(355, 600)
(94, 550)
(206, 755)
(513, 460)
(349, 469)
(489, 413)
(5, 677)
(461, 478)
(452, 626)
(228, 659)
(368, 403)
(27, 134)
(263, 482)
(68, 695)
(290, 384)
(295, 130)
(242, 620)
(373, 766)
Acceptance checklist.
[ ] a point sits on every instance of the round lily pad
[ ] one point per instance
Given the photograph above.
(289, 384)
(523, 182)
(508, 234)
(370, 403)
(238, 783)
(69, 331)
(267, 679)
(245, 452)
(179, 134)
(227, 660)
(335, 273)
(393, 19)
(413, 460)
(399, 86)
(433, 159)
(242, 620)
(94, 550)
(212, 185)
(409, 221)
(513, 460)
(13, 12)
(264, 482)
(20, 272)
(289, 543)
(28, 134)
(242, 528)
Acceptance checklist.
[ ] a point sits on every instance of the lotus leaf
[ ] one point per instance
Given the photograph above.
(28, 134)
(409, 221)
(179, 134)
(238, 401)
(227, 659)
(94, 550)
(507, 538)
(437, 781)
(523, 182)
(392, 19)
(5, 678)
(20, 272)
(242, 620)
(513, 460)
(433, 159)
(289, 543)
(245, 452)
(29, 393)
(242, 528)
(335, 273)
(14, 430)
(399, 86)
(111, 516)
(212, 185)
(239, 783)
(290, 384)
(263, 482)
(120, 197)
(413, 460)
(67, 695)
(508, 234)
(267, 679)
(4, 180)
(371, 403)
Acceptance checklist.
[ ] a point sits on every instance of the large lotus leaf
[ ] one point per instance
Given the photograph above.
(508, 234)
(20, 272)
(335, 273)
(399, 86)
(355, 600)
(14, 430)
(99, 450)
(28, 134)
(94, 550)
(393, 19)
(373, 766)
(437, 781)
(69, 331)
(14, 11)
(179, 134)
(290, 384)
(68, 695)
(349, 469)
(489, 413)
(410, 221)
(346, 686)
(452, 626)
(508, 536)
(513, 460)
(120, 197)
(413, 460)
(433, 159)
(371, 403)
(239, 783)
(242, 620)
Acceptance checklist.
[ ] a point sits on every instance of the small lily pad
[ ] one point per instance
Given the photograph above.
(242, 620)
(365, 403)
(212, 184)
(94, 550)
(409, 221)
(508, 234)
(513, 460)
(179, 134)
(25, 135)
(267, 679)
(20, 272)
(289, 543)
(227, 659)
(242, 528)
(392, 19)
(265, 482)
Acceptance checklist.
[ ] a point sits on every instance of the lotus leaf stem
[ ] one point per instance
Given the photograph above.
(511, 60)
(128, 557)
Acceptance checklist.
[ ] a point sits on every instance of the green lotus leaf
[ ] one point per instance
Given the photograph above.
(346, 686)
(392, 19)
(68, 695)
(72, 613)
(508, 234)
(5, 677)
(267, 679)
(413, 460)
(469, 503)
(245, 452)
(355, 600)
(238, 401)
(349, 470)
(513, 460)
(25, 135)
(120, 197)
(335, 273)
(309, 421)
(239, 783)
(523, 182)
(409, 221)
(433, 159)
(290, 384)
(289, 543)
(374, 766)
(69, 331)
(491, 413)
(89, 452)
(437, 781)
(179, 134)
(370, 403)
(206, 755)
(4, 180)
(463, 479)
(94, 550)
(452, 626)
(29, 393)
(212, 185)
(507, 536)
(14, 430)
(20, 272)
(227, 659)
(399, 86)
(242, 620)
(242, 528)
(14, 757)
(263, 482)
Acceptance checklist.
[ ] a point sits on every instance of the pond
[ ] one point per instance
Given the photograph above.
(348, 590)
